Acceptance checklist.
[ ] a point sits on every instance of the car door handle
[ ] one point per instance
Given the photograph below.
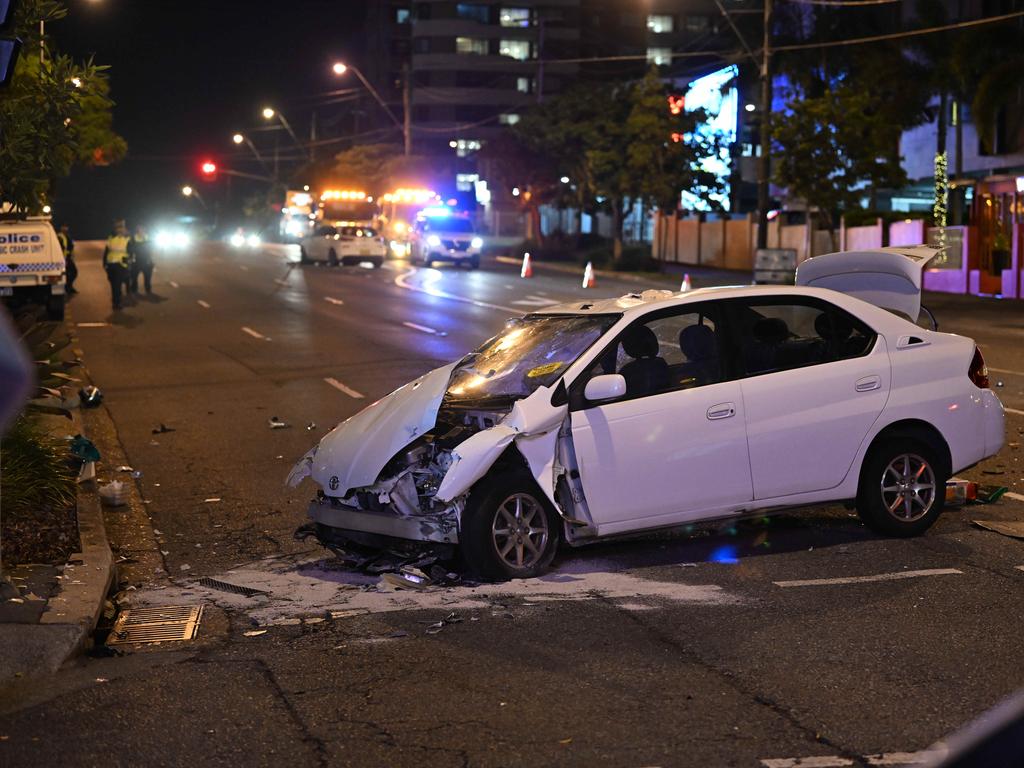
(721, 411)
(868, 383)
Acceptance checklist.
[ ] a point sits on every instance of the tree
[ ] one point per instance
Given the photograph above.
(830, 149)
(54, 115)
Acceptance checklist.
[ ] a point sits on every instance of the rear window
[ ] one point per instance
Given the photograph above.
(358, 231)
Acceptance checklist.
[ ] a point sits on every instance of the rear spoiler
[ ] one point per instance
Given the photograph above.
(886, 277)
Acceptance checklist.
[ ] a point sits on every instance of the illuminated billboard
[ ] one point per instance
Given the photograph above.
(716, 94)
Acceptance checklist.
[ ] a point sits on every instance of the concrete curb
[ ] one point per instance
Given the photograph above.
(574, 269)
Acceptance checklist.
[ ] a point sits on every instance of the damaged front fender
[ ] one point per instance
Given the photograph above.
(531, 424)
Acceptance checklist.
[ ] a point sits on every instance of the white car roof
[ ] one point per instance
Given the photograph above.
(633, 305)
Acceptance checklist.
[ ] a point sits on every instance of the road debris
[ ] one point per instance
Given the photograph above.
(255, 632)
(276, 423)
(90, 397)
(311, 426)
(211, 500)
(114, 494)
(1012, 528)
(437, 626)
(162, 429)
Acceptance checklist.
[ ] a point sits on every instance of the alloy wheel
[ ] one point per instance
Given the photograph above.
(520, 531)
(908, 487)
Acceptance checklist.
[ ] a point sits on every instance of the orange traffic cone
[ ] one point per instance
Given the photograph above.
(527, 270)
(588, 276)
(686, 283)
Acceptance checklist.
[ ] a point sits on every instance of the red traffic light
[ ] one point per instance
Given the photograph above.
(209, 170)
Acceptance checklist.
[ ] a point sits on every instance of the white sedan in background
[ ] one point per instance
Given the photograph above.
(653, 410)
(347, 244)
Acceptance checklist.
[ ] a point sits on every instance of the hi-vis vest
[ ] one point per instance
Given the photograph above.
(117, 250)
(63, 243)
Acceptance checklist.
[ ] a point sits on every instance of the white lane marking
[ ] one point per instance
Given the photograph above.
(425, 329)
(402, 282)
(1006, 370)
(533, 301)
(865, 579)
(202, 304)
(333, 300)
(342, 388)
(281, 281)
(1014, 496)
(1014, 411)
(835, 761)
(92, 325)
(905, 758)
(243, 267)
(173, 284)
(301, 586)
(254, 334)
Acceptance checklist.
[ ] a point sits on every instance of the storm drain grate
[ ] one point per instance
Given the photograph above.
(156, 625)
(224, 586)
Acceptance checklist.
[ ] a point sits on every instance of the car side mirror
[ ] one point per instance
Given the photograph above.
(605, 387)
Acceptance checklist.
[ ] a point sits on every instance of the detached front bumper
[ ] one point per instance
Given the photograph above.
(439, 529)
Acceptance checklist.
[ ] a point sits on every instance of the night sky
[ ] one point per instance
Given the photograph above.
(186, 75)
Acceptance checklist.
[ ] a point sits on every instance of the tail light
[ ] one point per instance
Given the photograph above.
(978, 372)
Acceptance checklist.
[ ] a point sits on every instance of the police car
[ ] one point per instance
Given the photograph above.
(32, 269)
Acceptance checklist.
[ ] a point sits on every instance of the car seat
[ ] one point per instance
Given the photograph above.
(646, 372)
(697, 343)
(769, 333)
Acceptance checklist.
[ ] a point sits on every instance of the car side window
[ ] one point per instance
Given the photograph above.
(666, 352)
(778, 335)
(324, 231)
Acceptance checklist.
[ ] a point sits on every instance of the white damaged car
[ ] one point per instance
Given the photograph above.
(601, 418)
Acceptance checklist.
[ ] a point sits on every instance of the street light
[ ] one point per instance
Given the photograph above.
(269, 114)
(340, 69)
(187, 191)
(241, 138)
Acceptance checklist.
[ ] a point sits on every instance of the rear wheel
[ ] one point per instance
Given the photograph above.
(55, 308)
(902, 488)
(509, 529)
(332, 258)
(378, 263)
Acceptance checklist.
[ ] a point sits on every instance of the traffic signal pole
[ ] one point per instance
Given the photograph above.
(764, 160)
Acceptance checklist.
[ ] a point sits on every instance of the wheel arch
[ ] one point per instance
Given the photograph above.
(918, 430)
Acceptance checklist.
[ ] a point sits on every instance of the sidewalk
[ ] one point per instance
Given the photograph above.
(48, 612)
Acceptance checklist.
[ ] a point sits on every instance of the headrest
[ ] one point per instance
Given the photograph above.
(771, 330)
(697, 342)
(640, 341)
(832, 327)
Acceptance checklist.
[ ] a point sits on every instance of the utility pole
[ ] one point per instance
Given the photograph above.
(407, 108)
(312, 137)
(764, 161)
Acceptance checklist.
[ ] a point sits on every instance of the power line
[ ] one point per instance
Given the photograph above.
(900, 35)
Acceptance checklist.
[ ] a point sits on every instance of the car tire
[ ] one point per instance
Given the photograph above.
(902, 487)
(55, 308)
(303, 256)
(332, 258)
(512, 500)
(474, 263)
(427, 261)
(377, 263)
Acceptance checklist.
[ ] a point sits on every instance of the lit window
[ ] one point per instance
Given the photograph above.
(515, 17)
(516, 49)
(402, 16)
(508, 119)
(524, 84)
(659, 56)
(475, 45)
(465, 182)
(473, 12)
(658, 23)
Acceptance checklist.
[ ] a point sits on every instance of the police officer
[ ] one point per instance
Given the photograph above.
(67, 245)
(116, 261)
(141, 251)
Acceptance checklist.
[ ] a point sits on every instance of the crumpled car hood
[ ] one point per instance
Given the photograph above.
(352, 454)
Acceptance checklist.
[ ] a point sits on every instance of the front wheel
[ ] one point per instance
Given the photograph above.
(902, 488)
(509, 529)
